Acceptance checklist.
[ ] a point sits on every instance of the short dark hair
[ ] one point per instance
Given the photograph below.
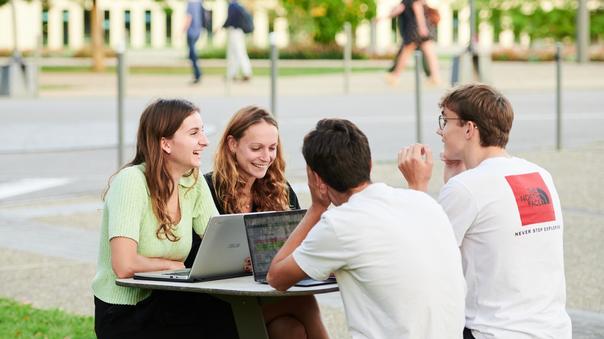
(338, 151)
(486, 107)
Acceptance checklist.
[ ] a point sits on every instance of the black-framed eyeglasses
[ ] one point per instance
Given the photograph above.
(442, 121)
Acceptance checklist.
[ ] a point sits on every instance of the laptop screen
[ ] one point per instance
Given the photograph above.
(266, 233)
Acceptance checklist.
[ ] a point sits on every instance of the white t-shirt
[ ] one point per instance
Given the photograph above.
(507, 219)
(396, 262)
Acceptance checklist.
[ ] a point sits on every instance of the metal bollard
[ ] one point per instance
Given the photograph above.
(35, 81)
(347, 56)
(418, 96)
(227, 78)
(274, 58)
(558, 96)
(121, 78)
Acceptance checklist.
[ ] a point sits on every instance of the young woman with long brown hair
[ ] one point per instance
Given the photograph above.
(151, 207)
(249, 176)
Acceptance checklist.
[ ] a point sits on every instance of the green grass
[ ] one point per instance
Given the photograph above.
(23, 321)
(258, 71)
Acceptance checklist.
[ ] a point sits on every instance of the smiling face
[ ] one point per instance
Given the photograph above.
(256, 150)
(453, 135)
(183, 149)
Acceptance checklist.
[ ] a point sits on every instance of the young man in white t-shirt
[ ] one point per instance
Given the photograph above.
(506, 216)
(393, 251)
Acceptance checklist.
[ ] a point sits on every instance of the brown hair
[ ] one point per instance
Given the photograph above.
(486, 107)
(161, 119)
(269, 193)
(338, 151)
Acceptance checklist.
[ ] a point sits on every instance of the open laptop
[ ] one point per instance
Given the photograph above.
(221, 254)
(266, 233)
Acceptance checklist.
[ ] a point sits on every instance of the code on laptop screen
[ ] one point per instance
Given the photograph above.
(266, 234)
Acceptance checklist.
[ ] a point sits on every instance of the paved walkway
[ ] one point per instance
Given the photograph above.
(48, 247)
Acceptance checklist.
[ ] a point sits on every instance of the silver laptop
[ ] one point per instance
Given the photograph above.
(221, 254)
(266, 233)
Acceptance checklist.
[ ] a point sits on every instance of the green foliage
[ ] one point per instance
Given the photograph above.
(23, 321)
(303, 51)
(530, 17)
(596, 24)
(321, 20)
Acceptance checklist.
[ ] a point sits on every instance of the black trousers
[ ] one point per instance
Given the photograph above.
(166, 314)
(467, 333)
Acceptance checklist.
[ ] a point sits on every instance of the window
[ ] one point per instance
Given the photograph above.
(127, 26)
(45, 26)
(148, 28)
(106, 27)
(65, 27)
(168, 28)
(455, 25)
(87, 25)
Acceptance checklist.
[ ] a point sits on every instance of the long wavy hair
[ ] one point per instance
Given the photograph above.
(161, 119)
(269, 193)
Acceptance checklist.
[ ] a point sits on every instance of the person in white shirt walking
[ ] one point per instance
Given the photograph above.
(238, 23)
(392, 251)
(506, 216)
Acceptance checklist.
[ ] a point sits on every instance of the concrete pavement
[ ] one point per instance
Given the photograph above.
(48, 245)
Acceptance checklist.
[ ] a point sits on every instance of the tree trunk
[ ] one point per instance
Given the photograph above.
(98, 64)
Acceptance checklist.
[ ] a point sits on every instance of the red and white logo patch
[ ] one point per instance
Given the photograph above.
(532, 197)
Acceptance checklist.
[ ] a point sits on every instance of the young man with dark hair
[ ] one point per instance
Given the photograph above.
(506, 216)
(392, 250)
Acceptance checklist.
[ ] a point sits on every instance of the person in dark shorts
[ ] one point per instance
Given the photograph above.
(417, 32)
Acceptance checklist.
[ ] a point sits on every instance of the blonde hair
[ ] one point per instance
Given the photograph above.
(270, 193)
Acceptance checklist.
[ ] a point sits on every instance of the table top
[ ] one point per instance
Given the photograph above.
(244, 286)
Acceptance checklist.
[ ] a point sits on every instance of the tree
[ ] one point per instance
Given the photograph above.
(96, 38)
(538, 19)
(321, 20)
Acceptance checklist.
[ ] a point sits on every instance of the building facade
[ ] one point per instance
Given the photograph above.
(140, 24)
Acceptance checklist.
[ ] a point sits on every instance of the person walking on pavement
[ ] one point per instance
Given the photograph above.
(238, 23)
(193, 27)
(417, 32)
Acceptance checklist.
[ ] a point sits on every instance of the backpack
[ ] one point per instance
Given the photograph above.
(247, 22)
(206, 19)
(432, 15)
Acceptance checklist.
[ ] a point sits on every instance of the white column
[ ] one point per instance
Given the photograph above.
(281, 32)
(445, 26)
(260, 35)
(485, 36)
(363, 35)
(220, 15)
(55, 28)
(179, 37)
(117, 33)
(506, 38)
(137, 28)
(463, 33)
(384, 38)
(6, 24)
(76, 26)
(158, 28)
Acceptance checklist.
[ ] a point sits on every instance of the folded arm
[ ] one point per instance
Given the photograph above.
(126, 261)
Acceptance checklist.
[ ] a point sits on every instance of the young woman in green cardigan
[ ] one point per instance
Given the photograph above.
(249, 176)
(150, 209)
